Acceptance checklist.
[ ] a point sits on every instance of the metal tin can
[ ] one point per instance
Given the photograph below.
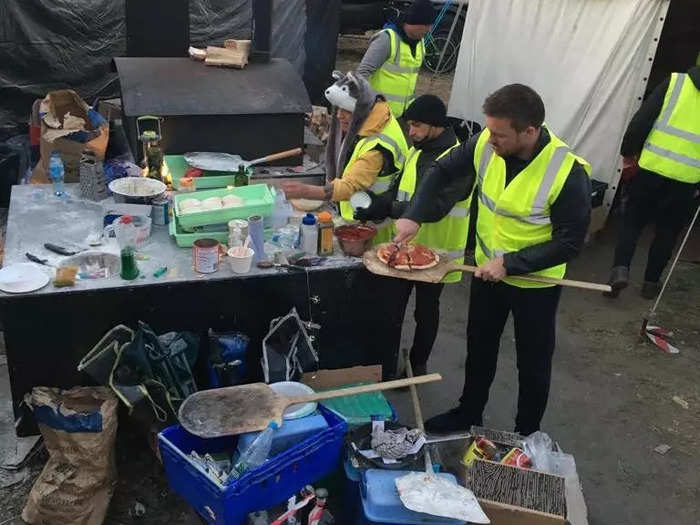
(205, 255)
(517, 458)
(480, 448)
(160, 211)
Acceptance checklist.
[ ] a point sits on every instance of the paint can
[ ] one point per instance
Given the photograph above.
(480, 448)
(205, 255)
(160, 210)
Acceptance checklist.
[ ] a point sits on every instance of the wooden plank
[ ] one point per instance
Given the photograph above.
(324, 379)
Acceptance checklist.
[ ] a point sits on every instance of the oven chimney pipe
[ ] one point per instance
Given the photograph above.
(262, 30)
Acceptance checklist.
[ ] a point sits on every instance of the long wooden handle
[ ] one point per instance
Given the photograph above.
(363, 389)
(539, 279)
(283, 154)
(418, 414)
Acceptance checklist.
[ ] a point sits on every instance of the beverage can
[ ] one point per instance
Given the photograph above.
(205, 255)
(160, 211)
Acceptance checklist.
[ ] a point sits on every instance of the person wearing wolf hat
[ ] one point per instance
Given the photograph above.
(366, 149)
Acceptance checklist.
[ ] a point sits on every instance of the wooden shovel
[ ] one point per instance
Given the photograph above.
(249, 408)
(445, 266)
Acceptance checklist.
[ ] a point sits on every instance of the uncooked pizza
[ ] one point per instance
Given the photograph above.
(407, 257)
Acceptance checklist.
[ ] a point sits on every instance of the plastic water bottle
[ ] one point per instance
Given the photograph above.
(309, 234)
(56, 174)
(256, 454)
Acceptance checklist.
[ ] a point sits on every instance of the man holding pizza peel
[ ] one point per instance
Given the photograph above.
(432, 137)
(533, 213)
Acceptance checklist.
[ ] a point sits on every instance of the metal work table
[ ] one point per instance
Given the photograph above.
(48, 331)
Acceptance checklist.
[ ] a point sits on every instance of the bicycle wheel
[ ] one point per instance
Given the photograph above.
(433, 50)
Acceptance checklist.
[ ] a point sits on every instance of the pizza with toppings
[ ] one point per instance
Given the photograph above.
(407, 257)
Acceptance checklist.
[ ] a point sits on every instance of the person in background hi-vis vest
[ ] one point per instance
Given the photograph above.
(366, 149)
(432, 137)
(394, 57)
(663, 138)
(534, 206)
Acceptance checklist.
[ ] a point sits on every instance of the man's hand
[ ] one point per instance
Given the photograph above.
(406, 229)
(494, 270)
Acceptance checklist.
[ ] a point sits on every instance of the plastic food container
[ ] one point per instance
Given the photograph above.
(355, 239)
(240, 259)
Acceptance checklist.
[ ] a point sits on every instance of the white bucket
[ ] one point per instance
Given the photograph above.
(240, 259)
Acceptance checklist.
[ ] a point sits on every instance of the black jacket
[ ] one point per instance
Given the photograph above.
(643, 120)
(450, 179)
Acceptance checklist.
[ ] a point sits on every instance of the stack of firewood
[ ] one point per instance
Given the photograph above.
(233, 54)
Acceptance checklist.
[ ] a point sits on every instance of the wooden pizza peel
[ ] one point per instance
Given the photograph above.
(446, 265)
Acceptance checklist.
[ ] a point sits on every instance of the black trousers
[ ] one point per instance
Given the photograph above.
(427, 317)
(664, 201)
(534, 315)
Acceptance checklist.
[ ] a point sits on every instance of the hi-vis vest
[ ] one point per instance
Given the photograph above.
(393, 140)
(672, 149)
(397, 77)
(517, 216)
(449, 235)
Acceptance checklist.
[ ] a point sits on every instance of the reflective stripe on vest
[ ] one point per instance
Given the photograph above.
(516, 216)
(672, 148)
(396, 79)
(447, 236)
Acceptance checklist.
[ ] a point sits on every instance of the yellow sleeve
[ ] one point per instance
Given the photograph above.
(359, 176)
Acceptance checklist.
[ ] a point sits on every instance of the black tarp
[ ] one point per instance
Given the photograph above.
(56, 44)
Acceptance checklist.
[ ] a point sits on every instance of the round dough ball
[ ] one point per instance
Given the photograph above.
(190, 205)
(232, 200)
(212, 203)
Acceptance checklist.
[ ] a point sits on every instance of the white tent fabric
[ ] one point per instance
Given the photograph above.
(588, 59)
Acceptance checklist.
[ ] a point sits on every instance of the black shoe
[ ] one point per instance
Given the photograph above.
(456, 420)
(650, 290)
(619, 279)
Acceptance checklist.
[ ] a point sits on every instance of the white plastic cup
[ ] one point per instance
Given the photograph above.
(240, 259)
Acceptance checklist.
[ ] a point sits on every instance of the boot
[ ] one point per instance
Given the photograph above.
(619, 279)
(650, 289)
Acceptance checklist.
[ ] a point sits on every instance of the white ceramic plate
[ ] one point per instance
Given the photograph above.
(22, 278)
(290, 389)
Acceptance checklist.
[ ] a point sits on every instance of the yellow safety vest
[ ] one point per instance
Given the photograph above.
(393, 140)
(449, 235)
(672, 149)
(517, 216)
(397, 77)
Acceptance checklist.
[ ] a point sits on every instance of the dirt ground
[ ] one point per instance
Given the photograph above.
(611, 401)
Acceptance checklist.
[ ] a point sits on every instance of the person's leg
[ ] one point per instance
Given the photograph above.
(639, 209)
(534, 317)
(427, 316)
(488, 311)
(673, 215)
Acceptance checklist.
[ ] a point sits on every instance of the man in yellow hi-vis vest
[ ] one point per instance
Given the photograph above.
(366, 149)
(432, 138)
(394, 57)
(663, 137)
(534, 202)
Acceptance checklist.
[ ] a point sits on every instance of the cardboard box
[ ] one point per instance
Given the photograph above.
(502, 512)
(51, 113)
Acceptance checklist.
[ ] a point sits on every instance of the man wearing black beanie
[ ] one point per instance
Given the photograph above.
(394, 57)
(432, 138)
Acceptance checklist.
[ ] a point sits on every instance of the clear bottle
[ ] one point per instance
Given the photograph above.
(234, 237)
(256, 454)
(309, 234)
(56, 174)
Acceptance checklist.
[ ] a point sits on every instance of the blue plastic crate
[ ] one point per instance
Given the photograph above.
(271, 483)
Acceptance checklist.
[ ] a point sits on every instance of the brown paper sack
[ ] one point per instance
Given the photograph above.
(79, 427)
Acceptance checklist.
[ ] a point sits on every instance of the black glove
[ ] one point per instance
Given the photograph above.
(378, 210)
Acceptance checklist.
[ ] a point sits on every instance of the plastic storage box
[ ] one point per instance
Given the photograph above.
(358, 410)
(381, 504)
(177, 166)
(258, 198)
(271, 483)
(289, 434)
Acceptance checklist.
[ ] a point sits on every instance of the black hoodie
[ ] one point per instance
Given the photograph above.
(642, 122)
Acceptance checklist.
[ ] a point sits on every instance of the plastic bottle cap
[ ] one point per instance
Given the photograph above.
(325, 216)
(126, 219)
(309, 219)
